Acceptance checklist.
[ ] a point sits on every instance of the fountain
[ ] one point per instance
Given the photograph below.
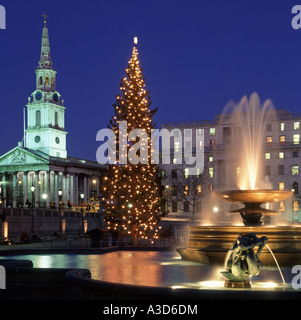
(210, 244)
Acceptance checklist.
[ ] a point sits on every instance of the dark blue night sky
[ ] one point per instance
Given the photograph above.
(196, 56)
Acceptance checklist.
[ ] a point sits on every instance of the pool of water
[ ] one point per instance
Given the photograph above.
(151, 268)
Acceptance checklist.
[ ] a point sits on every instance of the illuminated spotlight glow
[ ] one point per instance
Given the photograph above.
(211, 284)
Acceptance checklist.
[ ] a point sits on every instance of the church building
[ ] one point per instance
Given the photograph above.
(38, 172)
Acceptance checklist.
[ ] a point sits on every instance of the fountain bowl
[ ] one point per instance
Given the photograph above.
(253, 196)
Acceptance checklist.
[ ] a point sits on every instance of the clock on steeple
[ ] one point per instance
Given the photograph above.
(45, 110)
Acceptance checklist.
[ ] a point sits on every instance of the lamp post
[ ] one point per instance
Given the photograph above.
(44, 196)
(32, 188)
(60, 192)
(82, 195)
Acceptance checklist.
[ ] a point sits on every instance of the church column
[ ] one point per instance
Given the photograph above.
(85, 187)
(14, 189)
(71, 188)
(37, 190)
(3, 191)
(25, 187)
(75, 191)
(47, 189)
(56, 189)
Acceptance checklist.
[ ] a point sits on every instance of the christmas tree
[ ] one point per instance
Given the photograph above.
(132, 189)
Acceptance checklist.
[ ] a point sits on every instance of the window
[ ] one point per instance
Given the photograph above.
(41, 80)
(281, 155)
(211, 131)
(52, 81)
(47, 80)
(281, 206)
(38, 118)
(212, 143)
(211, 172)
(174, 206)
(295, 154)
(201, 144)
(162, 174)
(267, 156)
(269, 127)
(296, 138)
(174, 174)
(199, 188)
(282, 140)
(187, 132)
(200, 132)
(56, 119)
(296, 125)
(211, 159)
(281, 169)
(282, 126)
(267, 170)
(187, 145)
(186, 190)
(296, 205)
(186, 206)
(177, 146)
(186, 173)
(281, 185)
(269, 140)
(174, 190)
(295, 170)
(237, 171)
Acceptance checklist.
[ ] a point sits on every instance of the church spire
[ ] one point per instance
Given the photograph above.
(45, 59)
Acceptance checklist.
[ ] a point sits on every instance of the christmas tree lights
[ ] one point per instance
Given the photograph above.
(132, 190)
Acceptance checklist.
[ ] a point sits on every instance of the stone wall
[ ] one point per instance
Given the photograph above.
(44, 222)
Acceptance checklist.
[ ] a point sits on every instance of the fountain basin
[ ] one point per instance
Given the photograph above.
(210, 244)
(253, 196)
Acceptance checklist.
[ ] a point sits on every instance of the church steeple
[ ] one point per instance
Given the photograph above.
(45, 109)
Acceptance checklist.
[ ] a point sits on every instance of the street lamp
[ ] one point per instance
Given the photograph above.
(32, 188)
(82, 195)
(60, 192)
(44, 196)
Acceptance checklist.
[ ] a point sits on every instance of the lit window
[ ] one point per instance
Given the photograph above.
(201, 144)
(269, 140)
(281, 185)
(281, 155)
(237, 171)
(198, 172)
(295, 170)
(267, 156)
(296, 138)
(212, 143)
(282, 126)
(210, 159)
(199, 188)
(186, 191)
(186, 172)
(47, 80)
(282, 139)
(211, 172)
(200, 132)
(296, 205)
(212, 131)
(177, 146)
(296, 125)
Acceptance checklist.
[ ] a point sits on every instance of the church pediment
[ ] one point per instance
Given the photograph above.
(19, 157)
